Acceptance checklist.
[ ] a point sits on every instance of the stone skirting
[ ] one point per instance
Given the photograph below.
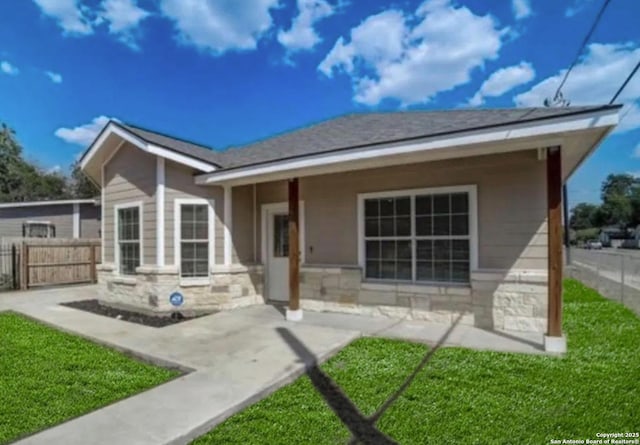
(511, 300)
(149, 290)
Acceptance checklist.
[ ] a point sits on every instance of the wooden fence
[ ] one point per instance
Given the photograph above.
(50, 262)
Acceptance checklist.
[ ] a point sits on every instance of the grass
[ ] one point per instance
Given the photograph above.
(465, 396)
(47, 376)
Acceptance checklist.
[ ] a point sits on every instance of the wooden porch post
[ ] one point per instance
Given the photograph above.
(294, 313)
(554, 341)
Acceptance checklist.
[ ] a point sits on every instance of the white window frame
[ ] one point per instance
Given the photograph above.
(49, 225)
(116, 244)
(471, 190)
(177, 244)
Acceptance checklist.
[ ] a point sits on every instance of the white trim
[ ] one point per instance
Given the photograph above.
(160, 215)
(210, 203)
(472, 191)
(111, 128)
(103, 205)
(556, 126)
(180, 158)
(255, 223)
(76, 220)
(228, 223)
(116, 250)
(112, 154)
(8, 205)
(266, 210)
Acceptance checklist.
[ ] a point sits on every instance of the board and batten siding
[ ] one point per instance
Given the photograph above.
(180, 184)
(512, 228)
(61, 216)
(130, 176)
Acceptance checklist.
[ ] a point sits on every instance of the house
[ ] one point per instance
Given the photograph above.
(71, 218)
(435, 215)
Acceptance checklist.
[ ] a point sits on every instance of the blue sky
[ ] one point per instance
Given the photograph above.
(227, 72)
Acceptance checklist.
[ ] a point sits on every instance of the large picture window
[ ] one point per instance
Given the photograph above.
(128, 239)
(418, 236)
(194, 240)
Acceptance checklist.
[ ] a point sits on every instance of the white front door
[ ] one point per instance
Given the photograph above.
(278, 256)
(275, 248)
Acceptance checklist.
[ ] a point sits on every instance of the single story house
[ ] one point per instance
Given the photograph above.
(434, 215)
(70, 218)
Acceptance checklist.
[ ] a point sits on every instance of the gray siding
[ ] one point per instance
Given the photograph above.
(11, 219)
(90, 215)
(130, 176)
(179, 184)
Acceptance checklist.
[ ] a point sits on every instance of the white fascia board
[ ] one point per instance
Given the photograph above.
(557, 126)
(108, 131)
(180, 158)
(8, 205)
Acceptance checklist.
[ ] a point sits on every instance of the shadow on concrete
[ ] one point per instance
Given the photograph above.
(363, 429)
(526, 341)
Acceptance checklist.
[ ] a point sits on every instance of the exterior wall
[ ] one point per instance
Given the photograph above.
(61, 216)
(89, 221)
(242, 225)
(179, 184)
(131, 176)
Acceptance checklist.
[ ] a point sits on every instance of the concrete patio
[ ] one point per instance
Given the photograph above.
(231, 360)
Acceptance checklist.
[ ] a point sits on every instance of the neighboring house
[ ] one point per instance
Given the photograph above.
(429, 215)
(71, 218)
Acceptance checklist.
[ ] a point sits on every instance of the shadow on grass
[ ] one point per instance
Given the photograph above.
(363, 429)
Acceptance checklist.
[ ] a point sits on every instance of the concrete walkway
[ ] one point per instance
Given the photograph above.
(232, 358)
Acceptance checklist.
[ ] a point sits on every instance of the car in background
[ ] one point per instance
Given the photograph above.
(593, 245)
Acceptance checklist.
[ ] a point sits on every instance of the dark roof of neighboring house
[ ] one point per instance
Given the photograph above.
(182, 146)
(358, 130)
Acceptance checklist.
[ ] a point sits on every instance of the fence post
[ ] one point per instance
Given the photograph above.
(622, 278)
(24, 260)
(92, 259)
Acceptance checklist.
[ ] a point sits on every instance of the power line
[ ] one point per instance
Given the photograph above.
(624, 84)
(582, 46)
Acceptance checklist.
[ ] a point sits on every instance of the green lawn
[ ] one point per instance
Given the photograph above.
(465, 396)
(47, 376)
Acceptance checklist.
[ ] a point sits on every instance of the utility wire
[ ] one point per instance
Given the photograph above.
(584, 43)
(624, 84)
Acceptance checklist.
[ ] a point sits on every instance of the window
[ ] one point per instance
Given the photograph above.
(418, 236)
(280, 236)
(194, 240)
(128, 239)
(38, 229)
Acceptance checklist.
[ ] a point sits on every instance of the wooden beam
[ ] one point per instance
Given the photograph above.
(554, 209)
(294, 246)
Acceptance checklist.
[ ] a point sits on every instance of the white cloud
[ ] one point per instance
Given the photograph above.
(521, 9)
(70, 15)
(55, 77)
(9, 69)
(54, 170)
(636, 151)
(124, 17)
(83, 134)
(503, 80)
(576, 7)
(302, 35)
(594, 80)
(219, 26)
(413, 57)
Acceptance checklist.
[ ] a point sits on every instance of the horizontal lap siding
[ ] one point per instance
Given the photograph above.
(89, 221)
(11, 219)
(511, 206)
(242, 224)
(179, 184)
(131, 176)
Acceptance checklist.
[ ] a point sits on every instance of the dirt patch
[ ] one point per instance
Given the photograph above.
(154, 321)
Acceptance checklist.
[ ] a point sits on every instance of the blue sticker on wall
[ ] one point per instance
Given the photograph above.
(176, 299)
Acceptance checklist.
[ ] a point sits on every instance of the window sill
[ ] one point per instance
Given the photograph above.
(127, 280)
(194, 282)
(417, 288)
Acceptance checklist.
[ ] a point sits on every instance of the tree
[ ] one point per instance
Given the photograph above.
(583, 216)
(81, 185)
(618, 185)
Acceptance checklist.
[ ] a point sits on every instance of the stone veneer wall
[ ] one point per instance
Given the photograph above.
(510, 300)
(149, 290)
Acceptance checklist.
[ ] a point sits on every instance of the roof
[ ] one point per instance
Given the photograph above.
(7, 205)
(188, 148)
(359, 130)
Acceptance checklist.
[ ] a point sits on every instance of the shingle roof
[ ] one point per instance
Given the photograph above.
(196, 151)
(357, 130)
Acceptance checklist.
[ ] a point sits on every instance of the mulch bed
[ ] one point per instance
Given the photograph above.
(134, 317)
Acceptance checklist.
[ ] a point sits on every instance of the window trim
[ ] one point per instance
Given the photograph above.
(49, 224)
(177, 244)
(116, 244)
(470, 189)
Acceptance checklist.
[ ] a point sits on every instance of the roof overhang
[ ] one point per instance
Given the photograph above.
(113, 136)
(10, 205)
(578, 134)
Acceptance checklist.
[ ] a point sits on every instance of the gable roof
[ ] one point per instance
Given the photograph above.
(367, 129)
